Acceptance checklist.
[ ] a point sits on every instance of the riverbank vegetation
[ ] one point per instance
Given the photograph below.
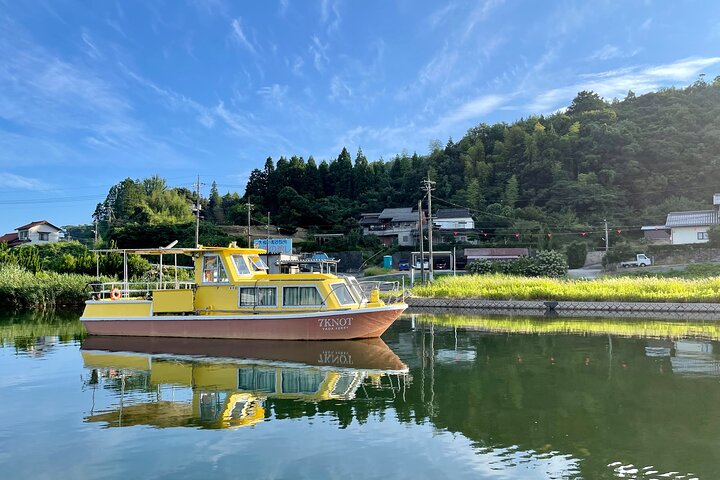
(692, 271)
(22, 289)
(620, 289)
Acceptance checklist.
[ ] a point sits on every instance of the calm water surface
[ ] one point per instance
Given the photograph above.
(438, 397)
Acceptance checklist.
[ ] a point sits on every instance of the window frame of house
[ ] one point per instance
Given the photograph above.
(703, 235)
(23, 235)
(44, 236)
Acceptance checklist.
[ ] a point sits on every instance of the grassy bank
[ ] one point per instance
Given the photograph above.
(694, 271)
(621, 289)
(20, 289)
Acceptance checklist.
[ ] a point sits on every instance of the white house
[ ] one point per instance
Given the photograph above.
(685, 228)
(41, 231)
(453, 219)
(690, 227)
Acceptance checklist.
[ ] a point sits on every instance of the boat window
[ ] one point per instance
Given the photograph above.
(343, 384)
(297, 381)
(301, 296)
(343, 294)
(256, 380)
(213, 270)
(256, 264)
(258, 297)
(240, 265)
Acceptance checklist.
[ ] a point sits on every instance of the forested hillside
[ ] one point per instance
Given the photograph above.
(628, 161)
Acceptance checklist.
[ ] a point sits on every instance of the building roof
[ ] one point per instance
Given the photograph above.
(35, 224)
(496, 252)
(369, 219)
(692, 219)
(398, 215)
(452, 213)
(12, 239)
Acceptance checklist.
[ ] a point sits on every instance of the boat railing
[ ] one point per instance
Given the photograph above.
(392, 291)
(115, 290)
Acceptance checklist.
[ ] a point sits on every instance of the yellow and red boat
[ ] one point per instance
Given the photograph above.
(233, 295)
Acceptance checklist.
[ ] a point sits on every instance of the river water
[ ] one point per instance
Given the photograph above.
(438, 397)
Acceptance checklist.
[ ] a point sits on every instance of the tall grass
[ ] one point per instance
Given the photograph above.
(21, 289)
(621, 289)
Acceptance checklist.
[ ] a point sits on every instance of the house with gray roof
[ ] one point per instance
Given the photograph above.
(392, 225)
(690, 227)
(686, 228)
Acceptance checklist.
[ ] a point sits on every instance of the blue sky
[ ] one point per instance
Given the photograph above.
(94, 92)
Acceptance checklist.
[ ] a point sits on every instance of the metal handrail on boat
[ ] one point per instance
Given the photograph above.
(103, 291)
(391, 290)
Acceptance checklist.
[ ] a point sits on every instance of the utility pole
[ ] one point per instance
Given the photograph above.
(249, 208)
(422, 246)
(429, 186)
(267, 246)
(607, 239)
(95, 224)
(197, 214)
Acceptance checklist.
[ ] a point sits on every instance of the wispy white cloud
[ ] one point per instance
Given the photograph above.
(339, 90)
(330, 14)
(616, 83)
(606, 52)
(18, 182)
(297, 65)
(646, 24)
(473, 109)
(319, 53)
(441, 15)
(282, 8)
(479, 14)
(91, 50)
(175, 101)
(240, 37)
(274, 94)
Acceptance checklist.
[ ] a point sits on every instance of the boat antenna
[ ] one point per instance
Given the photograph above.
(197, 214)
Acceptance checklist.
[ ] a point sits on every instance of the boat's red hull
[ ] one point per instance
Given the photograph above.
(343, 325)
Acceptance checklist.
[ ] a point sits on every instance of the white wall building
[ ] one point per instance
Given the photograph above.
(453, 219)
(39, 232)
(690, 227)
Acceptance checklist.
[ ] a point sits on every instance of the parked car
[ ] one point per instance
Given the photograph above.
(404, 266)
(641, 260)
(441, 266)
(426, 265)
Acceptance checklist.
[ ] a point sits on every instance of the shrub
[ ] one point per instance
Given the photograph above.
(548, 263)
(576, 253)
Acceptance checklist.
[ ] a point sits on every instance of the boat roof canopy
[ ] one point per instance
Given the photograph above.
(183, 251)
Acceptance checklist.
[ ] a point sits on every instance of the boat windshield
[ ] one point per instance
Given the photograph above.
(256, 264)
(241, 265)
(355, 289)
(343, 294)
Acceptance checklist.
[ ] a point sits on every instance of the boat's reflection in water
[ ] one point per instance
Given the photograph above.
(217, 383)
